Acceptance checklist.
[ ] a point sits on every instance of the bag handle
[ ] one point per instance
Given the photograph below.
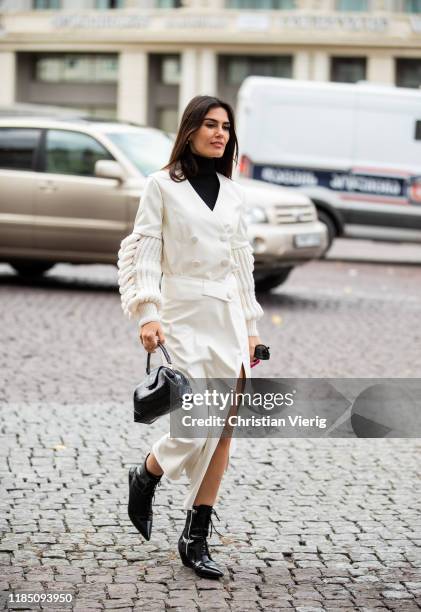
(166, 354)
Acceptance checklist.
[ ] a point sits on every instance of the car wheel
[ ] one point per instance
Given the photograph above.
(327, 220)
(273, 280)
(31, 268)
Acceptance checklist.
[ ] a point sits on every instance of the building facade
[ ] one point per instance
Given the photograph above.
(142, 60)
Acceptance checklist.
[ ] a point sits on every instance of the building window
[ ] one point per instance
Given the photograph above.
(408, 73)
(261, 4)
(352, 5)
(233, 69)
(17, 148)
(45, 4)
(170, 73)
(348, 69)
(77, 68)
(168, 3)
(73, 153)
(238, 67)
(109, 4)
(412, 6)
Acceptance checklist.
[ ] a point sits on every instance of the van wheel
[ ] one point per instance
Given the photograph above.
(273, 280)
(31, 268)
(327, 220)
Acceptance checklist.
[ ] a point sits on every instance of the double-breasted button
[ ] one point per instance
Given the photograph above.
(196, 263)
(194, 239)
(224, 263)
(223, 238)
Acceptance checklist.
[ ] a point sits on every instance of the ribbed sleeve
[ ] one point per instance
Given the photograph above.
(139, 275)
(243, 258)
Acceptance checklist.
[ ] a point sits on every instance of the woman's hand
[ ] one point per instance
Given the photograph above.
(150, 334)
(253, 342)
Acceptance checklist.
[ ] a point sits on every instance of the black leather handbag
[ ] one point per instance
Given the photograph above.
(161, 392)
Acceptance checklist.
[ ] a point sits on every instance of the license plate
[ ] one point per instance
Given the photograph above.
(307, 240)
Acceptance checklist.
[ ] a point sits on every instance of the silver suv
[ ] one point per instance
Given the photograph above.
(70, 189)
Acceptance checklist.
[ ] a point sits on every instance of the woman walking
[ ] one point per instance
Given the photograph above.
(190, 228)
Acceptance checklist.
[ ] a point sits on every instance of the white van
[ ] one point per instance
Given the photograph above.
(354, 149)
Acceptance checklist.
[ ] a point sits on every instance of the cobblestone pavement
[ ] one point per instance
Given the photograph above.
(307, 524)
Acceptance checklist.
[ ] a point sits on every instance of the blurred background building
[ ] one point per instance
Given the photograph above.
(142, 60)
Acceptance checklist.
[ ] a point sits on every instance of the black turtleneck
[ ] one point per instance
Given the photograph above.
(206, 182)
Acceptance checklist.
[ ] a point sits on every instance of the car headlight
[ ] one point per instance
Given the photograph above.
(256, 214)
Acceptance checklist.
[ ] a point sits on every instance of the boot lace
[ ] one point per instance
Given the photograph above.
(204, 542)
(212, 525)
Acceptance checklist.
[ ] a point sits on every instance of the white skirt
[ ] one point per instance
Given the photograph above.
(206, 336)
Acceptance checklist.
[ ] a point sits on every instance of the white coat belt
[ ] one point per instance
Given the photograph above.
(190, 287)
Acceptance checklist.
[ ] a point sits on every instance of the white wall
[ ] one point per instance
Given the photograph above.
(8, 77)
(132, 86)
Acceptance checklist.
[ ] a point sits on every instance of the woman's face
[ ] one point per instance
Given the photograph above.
(211, 138)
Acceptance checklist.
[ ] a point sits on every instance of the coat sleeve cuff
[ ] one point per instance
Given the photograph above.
(147, 312)
(252, 327)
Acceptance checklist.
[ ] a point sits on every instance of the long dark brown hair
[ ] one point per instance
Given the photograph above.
(182, 164)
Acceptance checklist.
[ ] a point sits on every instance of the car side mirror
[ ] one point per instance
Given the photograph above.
(107, 168)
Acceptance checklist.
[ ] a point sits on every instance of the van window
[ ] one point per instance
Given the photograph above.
(68, 152)
(17, 148)
(418, 130)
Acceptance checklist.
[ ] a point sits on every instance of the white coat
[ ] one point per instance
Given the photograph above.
(201, 314)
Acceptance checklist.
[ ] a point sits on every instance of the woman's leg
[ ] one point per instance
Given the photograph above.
(192, 545)
(212, 480)
(153, 466)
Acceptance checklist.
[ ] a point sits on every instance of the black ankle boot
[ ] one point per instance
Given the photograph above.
(193, 546)
(142, 487)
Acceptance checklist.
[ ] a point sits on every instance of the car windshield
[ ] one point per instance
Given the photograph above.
(149, 150)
